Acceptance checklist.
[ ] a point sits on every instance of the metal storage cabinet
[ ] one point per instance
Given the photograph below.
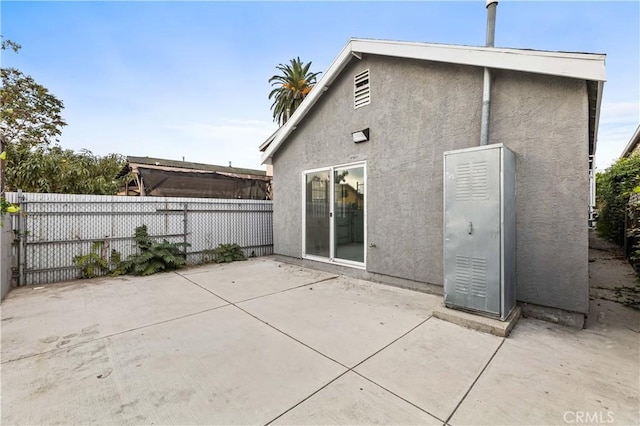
(480, 230)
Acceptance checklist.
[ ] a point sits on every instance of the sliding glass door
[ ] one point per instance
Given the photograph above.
(317, 213)
(348, 208)
(334, 214)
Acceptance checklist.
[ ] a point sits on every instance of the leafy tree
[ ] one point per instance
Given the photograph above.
(292, 86)
(30, 114)
(30, 124)
(56, 170)
(613, 187)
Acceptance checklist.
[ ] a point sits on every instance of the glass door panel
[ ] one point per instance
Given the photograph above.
(348, 209)
(317, 209)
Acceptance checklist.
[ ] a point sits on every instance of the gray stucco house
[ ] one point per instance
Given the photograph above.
(358, 168)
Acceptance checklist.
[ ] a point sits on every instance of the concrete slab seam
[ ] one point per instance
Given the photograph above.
(399, 397)
(389, 344)
(603, 333)
(351, 369)
(75, 345)
(348, 369)
(389, 390)
(475, 381)
(288, 289)
(269, 325)
(306, 398)
(264, 295)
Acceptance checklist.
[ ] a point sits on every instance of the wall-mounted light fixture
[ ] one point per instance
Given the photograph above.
(360, 135)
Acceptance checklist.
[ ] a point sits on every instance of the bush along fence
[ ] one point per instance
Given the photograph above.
(52, 230)
(632, 230)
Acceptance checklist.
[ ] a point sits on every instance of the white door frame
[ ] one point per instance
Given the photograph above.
(332, 258)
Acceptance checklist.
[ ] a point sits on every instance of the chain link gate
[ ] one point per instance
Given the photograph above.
(53, 228)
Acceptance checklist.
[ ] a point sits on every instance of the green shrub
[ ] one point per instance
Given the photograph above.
(613, 187)
(207, 256)
(95, 263)
(153, 256)
(226, 253)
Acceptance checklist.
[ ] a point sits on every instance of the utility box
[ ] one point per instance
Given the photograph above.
(480, 230)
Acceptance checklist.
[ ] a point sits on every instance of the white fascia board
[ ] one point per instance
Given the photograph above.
(267, 141)
(635, 139)
(574, 65)
(596, 124)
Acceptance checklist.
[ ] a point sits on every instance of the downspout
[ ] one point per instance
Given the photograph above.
(486, 91)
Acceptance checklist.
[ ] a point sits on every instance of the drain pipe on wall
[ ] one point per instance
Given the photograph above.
(486, 91)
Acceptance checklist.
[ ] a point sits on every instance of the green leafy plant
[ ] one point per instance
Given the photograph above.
(207, 256)
(618, 199)
(613, 188)
(152, 256)
(633, 229)
(95, 263)
(7, 207)
(226, 253)
(292, 85)
(31, 123)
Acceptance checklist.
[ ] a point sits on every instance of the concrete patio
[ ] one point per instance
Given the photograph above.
(261, 342)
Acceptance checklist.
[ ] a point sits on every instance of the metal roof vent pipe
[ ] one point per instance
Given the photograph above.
(486, 91)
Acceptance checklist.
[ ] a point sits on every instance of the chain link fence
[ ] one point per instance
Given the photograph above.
(53, 228)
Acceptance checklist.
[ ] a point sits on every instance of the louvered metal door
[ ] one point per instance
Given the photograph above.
(472, 230)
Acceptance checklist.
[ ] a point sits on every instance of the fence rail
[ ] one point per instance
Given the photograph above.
(53, 228)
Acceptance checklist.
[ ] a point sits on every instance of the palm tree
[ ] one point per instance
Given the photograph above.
(292, 86)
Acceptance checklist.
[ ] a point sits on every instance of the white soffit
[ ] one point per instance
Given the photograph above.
(583, 66)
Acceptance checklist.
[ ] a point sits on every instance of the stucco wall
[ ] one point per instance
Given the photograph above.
(544, 120)
(419, 110)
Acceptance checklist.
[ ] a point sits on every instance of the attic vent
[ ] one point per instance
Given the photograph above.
(361, 89)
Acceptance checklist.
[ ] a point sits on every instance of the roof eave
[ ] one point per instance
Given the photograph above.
(596, 125)
(584, 66)
(264, 145)
(587, 66)
(633, 142)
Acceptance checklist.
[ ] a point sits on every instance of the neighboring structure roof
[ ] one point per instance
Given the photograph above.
(584, 66)
(186, 166)
(632, 145)
(170, 178)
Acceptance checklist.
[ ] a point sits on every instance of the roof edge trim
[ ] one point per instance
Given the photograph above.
(583, 66)
(633, 142)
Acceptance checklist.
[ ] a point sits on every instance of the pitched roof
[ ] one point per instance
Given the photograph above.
(633, 143)
(187, 166)
(584, 66)
(264, 145)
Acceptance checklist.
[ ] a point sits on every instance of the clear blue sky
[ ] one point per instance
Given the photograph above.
(174, 79)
